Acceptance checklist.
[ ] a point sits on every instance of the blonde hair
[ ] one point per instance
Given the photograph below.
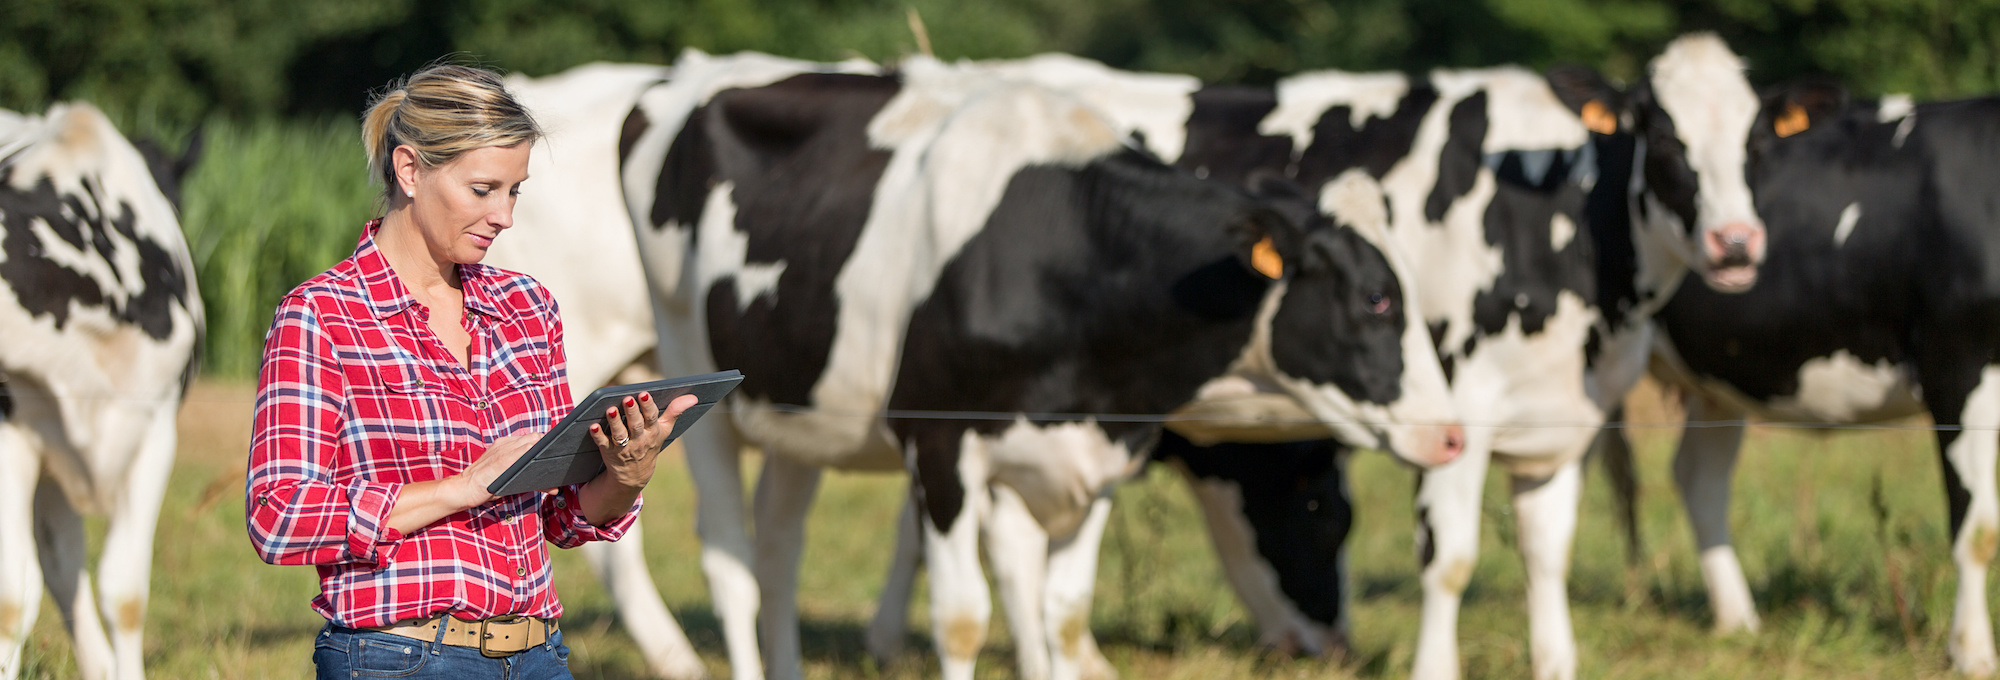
(442, 112)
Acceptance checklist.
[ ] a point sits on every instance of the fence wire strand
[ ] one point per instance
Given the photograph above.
(1169, 418)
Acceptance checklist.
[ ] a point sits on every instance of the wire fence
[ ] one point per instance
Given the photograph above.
(1906, 424)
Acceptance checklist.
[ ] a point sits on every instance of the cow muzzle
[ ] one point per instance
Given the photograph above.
(1733, 252)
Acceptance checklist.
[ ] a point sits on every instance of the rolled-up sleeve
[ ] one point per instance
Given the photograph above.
(295, 511)
(564, 524)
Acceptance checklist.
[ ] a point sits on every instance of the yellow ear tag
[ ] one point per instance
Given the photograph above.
(1792, 122)
(1264, 258)
(1598, 118)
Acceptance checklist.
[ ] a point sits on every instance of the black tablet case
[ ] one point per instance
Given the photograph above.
(566, 455)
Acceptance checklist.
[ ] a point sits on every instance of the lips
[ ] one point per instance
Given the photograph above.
(481, 241)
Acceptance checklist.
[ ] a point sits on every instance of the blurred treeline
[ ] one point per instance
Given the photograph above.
(280, 192)
(176, 61)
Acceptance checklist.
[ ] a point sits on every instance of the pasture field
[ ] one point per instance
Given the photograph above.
(1852, 582)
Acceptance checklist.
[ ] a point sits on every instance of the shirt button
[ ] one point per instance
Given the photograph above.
(263, 500)
(520, 571)
(482, 404)
(562, 502)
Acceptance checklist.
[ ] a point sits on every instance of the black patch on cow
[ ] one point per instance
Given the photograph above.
(6, 400)
(1376, 147)
(1609, 217)
(1669, 178)
(629, 133)
(1222, 136)
(1459, 160)
(1448, 360)
(1077, 296)
(1294, 496)
(804, 177)
(1520, 222)
(45, 287)
(686, 176)
(1326, 329)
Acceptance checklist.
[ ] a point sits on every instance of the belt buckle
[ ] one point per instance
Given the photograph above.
(484, 636)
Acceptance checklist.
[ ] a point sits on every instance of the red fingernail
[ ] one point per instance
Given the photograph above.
(593, 427)
(628, 401)
(647, 396)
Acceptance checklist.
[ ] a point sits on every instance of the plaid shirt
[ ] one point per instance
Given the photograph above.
(358, 397)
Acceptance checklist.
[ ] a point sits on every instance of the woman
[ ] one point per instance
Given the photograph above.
(398, 384)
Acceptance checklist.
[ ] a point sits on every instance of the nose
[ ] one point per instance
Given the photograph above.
(1452, 444)
(1735, 244)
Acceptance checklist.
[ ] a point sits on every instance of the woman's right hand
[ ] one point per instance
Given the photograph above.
(499, 456)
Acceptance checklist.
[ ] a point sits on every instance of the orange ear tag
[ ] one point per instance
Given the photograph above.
(1264, 258)
(1792, 122)
(1598, 118)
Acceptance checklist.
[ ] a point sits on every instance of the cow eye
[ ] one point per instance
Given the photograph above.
(1378, 302)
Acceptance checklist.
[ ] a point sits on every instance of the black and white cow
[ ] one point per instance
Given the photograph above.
(1880, 298)
(99, 327)
(1489, 175)
(874, 250)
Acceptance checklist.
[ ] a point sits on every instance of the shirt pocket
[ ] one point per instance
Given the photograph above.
(524, 396)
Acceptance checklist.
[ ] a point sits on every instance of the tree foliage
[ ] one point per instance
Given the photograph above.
(178, 60)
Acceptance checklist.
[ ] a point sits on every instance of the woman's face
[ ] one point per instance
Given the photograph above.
(461, 206)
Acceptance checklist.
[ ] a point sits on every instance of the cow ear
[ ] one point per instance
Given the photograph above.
(1795, 107)
(1262, 240)
(1589, 95)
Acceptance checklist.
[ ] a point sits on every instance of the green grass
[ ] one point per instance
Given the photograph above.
(1805, 525)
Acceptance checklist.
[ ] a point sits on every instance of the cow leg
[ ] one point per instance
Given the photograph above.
(960, 605)
(716, 464)
(621, 565)
(785, 493)
(1072, 576)
(1018, 550)
(1545, 515)
(1969, 461)
(59, 535)
(1448, 499)
(1703, 468)
(20, 575)
(124, 570)
(1279, 625)
(892, 613)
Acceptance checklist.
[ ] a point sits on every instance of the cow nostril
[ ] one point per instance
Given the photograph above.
(1454, 440)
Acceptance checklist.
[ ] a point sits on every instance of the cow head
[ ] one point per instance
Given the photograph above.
(1337, 333)
(1702, 128)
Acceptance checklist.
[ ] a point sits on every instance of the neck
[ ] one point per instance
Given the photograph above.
(403, 246)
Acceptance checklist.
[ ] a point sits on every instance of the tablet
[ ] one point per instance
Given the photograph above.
(566, 455)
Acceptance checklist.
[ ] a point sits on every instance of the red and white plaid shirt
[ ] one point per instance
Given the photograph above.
(358, 397)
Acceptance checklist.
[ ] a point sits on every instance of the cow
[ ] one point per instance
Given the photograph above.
(100, 324)
(1539, 312)
(976, 279)
(1877, 302)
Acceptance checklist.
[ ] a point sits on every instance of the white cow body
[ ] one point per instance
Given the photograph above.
(99, 326)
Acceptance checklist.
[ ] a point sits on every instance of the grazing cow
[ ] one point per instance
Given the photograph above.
(99, 326)
(578, 241)
(873, 251)
(1539, 313)
(1878, 301)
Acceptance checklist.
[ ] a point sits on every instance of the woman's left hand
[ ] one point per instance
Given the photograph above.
(633, 434)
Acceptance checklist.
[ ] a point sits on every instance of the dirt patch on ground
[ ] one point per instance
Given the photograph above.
(215, 422)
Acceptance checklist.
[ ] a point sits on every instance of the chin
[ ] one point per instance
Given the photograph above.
(1733, 279)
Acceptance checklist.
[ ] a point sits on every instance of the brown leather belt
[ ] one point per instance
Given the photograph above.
(495, 637)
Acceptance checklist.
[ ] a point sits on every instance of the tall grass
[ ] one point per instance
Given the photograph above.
(270, 204)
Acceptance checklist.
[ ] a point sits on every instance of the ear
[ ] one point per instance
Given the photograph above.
(404, 167)
(1589, 95)
(1796, 106)
(1263, 237)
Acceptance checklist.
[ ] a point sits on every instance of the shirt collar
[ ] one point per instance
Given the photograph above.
(387, 296)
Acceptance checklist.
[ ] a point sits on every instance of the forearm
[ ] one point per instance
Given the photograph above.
(423, 503)
(604, 498)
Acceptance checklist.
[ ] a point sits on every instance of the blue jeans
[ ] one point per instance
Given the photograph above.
(342, 653)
